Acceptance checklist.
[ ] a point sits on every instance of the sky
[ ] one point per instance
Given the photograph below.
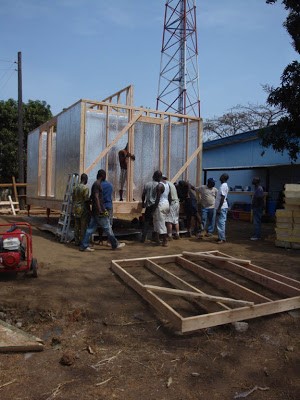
(90, 49)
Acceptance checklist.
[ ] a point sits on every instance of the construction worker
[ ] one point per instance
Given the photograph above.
(81, 208)
(99, 217)
(124, 157)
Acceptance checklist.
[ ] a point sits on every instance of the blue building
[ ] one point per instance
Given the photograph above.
(243, 157)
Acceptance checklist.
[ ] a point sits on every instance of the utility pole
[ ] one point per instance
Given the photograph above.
(20, 132)
(178, 86)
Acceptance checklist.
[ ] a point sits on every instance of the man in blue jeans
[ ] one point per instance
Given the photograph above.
(257, 208)
(221, 207)
(100, 217)
(208, 194)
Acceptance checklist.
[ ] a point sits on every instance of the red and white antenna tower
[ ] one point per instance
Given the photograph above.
(178, 86)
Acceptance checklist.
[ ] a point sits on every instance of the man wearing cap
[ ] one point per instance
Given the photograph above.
(208, 194)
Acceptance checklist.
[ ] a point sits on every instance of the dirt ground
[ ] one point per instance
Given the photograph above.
(120, 348)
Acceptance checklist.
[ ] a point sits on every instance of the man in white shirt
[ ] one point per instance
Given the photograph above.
(221, 207)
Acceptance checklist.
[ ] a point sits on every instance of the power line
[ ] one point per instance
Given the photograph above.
(12, 62)
(2, 86)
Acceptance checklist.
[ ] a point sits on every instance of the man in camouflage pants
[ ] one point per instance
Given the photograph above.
(81, 208)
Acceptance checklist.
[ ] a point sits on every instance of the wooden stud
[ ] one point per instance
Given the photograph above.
(270, 283)
(271, 274)
(222, 283)
(185, 293)
(210, 257)
(181, 284)
(15, 189)
(118, 137)
(192, 324)
(186, 164)
(154, 300)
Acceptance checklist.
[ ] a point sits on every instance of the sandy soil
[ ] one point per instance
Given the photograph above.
(119, 348)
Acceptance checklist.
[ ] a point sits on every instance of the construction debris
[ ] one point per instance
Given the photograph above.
(13, 339)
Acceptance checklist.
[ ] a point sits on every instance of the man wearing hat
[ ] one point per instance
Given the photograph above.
(208, 194)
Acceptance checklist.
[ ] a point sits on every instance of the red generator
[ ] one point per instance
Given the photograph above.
(16, 249)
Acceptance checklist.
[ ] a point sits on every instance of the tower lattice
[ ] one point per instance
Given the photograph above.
(178, 87)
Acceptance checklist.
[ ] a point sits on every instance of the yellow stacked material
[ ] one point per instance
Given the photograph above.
(288, 220)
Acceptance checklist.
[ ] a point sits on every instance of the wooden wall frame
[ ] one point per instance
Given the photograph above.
(218, 310)
(120, 104)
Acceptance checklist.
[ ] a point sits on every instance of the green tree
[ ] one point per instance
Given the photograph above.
(285, 135)
(35, 113)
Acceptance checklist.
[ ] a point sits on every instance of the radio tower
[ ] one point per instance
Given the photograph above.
(178, 86)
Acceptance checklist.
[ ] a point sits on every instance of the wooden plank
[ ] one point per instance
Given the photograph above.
(199, 156)
(271, 274)
(165, 309)
(143, 261)
(222, 283)
(13, 339)
(6, 185)
(185, 293)
(292, 186)
(12, 205)
(192, 324)
(187, 134)
(127, 207)
(107, 149)
(15, 189)
(181, 284)
(82, 137)
(266, 281)
(169, 147)
(211, 257)
(186, 164)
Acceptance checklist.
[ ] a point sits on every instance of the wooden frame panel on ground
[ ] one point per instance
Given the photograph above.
(217, 289)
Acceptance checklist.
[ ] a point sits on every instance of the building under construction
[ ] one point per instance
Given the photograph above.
(88, 135)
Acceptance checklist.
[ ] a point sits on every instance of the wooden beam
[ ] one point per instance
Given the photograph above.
(192, 324)
(177, 292)
(199, 156)
(82, 137)
(186, 164)
(169, 147)
(222, 283)
(187, 134)
(127, 207)
(143, 261)
(117, 138)
(181, 284)
(15, 189)
(165, 309)
(265, 281)
(12, 205)
(13, 339)
(5, 185)
(210, 257)
(271, 274)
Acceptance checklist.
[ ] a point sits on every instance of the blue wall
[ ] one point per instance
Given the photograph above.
(244, 150)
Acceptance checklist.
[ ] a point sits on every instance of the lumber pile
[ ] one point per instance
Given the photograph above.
(288, 220)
